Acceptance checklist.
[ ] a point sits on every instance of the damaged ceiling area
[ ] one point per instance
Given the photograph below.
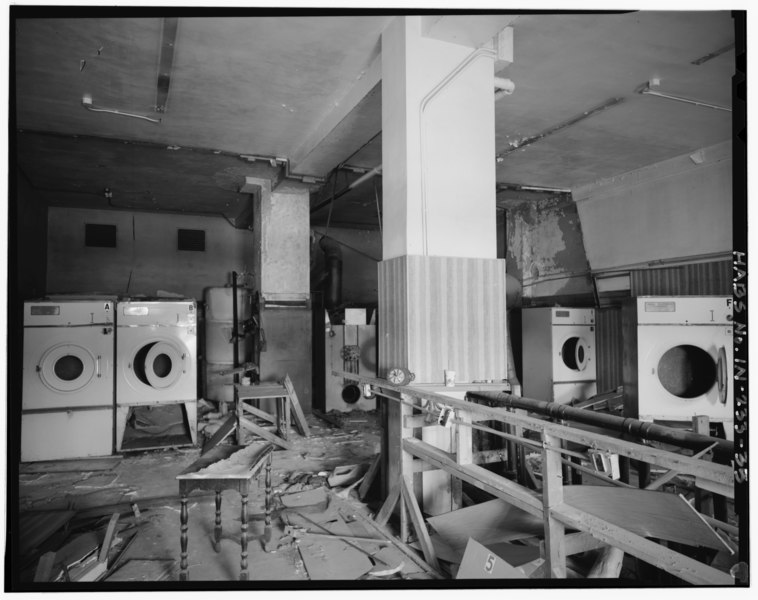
(172, 113)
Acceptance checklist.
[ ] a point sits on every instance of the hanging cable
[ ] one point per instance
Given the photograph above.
(378, 210)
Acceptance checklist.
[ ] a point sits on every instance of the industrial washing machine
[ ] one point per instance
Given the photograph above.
(67, 389)
(156, 356)
(352, 349)
(558, 349)
(678, 359)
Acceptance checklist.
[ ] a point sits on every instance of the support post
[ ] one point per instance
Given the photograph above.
(464, 452)
(552, 495)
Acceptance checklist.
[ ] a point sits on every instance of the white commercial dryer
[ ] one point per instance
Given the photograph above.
(558, 354)
(156, 355)
(67, 390)
(678, 354)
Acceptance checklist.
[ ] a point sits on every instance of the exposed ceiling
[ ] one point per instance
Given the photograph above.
(246, 91)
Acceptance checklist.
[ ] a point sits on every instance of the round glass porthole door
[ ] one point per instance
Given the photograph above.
(67, 368)
(687, 371)
(575, 353)
(159, 364)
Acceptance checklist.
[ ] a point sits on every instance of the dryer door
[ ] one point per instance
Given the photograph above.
(683, 372)
(67, 367)
(574, 353)
(159, 364)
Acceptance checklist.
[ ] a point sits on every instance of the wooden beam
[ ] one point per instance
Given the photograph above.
(686, 465)
(477, 476)
(552, 495)
(384, 513)
(672, 562)
(265, 434)
(221, 433)
(669, 475)
(368, 479)
(297, 410)
(414, 512)
(464, 452)
(261, 414)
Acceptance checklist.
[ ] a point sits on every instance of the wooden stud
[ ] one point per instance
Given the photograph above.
(677, 564)
(389, 504)
(417, 519)
(477, 476)
(464, 452)
(368, 479)
(297, 411)
(552, 495)
(265, 434)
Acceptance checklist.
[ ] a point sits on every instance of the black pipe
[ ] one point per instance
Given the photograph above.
(333, 288)
(632, 427)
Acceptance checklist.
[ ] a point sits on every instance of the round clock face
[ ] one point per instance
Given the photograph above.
(397, 376)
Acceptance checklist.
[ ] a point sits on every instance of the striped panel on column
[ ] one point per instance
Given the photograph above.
(454, 317)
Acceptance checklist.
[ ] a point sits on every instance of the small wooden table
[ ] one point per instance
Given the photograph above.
(223, 468)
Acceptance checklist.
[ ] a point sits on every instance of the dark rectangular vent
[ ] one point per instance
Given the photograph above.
(192, 240)
(99, 236)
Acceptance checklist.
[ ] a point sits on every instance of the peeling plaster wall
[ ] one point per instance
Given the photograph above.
(545, 251)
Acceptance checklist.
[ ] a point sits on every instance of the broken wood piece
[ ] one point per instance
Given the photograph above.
(607, 564)
(298, 532)
(371, 474)
(264, 433)
(418, 523)
(108, 540)
(384, 513)
(297, 410)
(227, 427)
(44, 567)
(345, 475)
(80, 465)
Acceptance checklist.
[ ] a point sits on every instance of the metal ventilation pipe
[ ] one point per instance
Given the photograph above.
(333, 287)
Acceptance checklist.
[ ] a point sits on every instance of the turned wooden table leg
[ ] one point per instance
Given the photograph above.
(267, 528)
(184, 518)
(217, 528)
(243, 539)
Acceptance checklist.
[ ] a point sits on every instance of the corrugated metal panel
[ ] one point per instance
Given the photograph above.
(610, 348)
(697, 279)
(443, 313)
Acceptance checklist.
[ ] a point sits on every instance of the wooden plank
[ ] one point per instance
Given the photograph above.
(221, 434)
(649, 514)
(607, 564)
(266, 435)
(414, 512)
(478, 476)
(686, 465)
(384, 513)
(261, 414)
(552, 495)
(672, 562)
(669, 475)
(369, 477)
(297, 411)
(108, 539)
(464, 452)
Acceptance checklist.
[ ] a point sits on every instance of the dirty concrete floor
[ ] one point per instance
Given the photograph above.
(148, 479)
